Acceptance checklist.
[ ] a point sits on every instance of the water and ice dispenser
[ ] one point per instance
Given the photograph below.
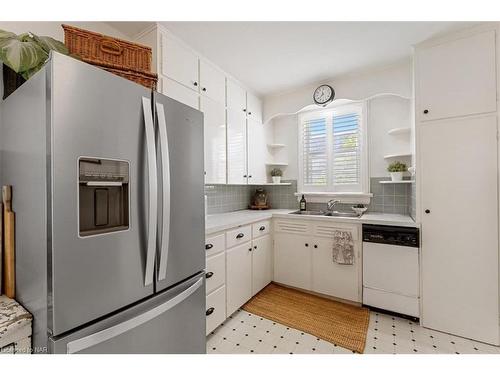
(103, 195)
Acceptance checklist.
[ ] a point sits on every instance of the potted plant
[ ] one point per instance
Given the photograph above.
(396, 170)
(276, 174)
(23, 55)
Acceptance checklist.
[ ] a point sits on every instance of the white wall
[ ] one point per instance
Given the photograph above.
(384, 113)
(394, 79)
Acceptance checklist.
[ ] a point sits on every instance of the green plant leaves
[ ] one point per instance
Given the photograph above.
(48, 44)
(27, 53)
(21, 53)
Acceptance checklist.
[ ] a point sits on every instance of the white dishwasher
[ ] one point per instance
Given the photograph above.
(391, 268)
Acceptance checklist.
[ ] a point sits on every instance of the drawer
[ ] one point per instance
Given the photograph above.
(391, 301)
(216, 309)
(216, 272)
(215, 244)
(261, 228)
(238, 236)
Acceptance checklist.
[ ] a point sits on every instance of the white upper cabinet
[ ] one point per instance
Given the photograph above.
(257, 152)
(212, 82)
(236, 97)
(236, 147)
(456, 78)
(215, 140)
(179, 92)
(254, 107)
(178, 62)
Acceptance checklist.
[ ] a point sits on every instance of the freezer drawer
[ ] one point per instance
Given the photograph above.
(172, 322)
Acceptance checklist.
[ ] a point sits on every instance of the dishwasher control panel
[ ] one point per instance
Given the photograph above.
(392, 235)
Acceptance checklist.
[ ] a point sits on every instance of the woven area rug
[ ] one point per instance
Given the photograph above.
(339, 323)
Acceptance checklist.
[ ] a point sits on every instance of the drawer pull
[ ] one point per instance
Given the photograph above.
(262, 228)
(208, 246)
(210, 311)
(209, 275)
(307, 245)
(240, 235)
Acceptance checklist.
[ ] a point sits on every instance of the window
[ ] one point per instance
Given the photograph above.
(332, 151)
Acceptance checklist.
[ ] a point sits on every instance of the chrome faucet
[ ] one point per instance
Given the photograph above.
(331, 204)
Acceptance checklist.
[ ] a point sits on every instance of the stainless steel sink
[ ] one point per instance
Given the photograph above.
(342, 214)
(309, 213)
(330, 213)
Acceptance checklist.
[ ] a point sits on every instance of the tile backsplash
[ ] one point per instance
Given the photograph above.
(387, 198)
(227, 198)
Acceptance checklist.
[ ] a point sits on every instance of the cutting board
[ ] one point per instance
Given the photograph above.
(9, 278)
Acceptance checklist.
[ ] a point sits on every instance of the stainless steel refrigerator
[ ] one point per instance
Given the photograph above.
(107, 180)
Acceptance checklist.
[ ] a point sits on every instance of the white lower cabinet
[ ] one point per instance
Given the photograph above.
(306, 261)
(261, 263)
(292, 260)
(216, 309)
(238, 276)
(333, 279)
(216, 272)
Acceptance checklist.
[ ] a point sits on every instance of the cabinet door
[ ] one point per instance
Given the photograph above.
(261, 263)
(333, 279)
(457, 78)
(460, 227)
(212, 82)
(257, 152)
(238, 276)
(179, 92)
(254, 107)
(214, 132)
(292, 260)
(236, 97)
(236, 147)
(179, 62)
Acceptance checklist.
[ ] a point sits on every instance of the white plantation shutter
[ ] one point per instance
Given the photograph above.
(331, 150)
(346, 166)
(315, 151)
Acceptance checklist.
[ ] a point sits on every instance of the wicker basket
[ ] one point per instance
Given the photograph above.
(102, 50)
(145, 79)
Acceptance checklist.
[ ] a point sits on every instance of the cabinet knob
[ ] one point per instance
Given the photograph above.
(244, 109)
(249, 176)
(208, 246)
(240, 235)
(307, 245)
(255, 247)
(262, 228)
(426, 111)
(245, 175)
(210, 311)
(195, 83)
(204, 89)
(315, 246)
(250, 249)
(427, 211)
(249, 113)
(209, 275)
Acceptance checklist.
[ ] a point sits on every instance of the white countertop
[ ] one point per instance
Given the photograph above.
(219, 222)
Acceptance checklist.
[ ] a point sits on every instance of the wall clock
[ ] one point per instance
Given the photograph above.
(324, 95)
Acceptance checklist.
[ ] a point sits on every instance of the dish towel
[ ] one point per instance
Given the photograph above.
(343, 247)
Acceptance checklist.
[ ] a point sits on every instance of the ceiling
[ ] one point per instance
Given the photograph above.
(273, 57)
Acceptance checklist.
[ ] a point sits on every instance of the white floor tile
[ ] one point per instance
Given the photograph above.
(245, 333)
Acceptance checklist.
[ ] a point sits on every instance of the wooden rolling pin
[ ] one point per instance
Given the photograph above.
(9, 277)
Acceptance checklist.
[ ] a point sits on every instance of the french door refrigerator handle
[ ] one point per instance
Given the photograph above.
(165, 161)
(108, 333)
(153, 190)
